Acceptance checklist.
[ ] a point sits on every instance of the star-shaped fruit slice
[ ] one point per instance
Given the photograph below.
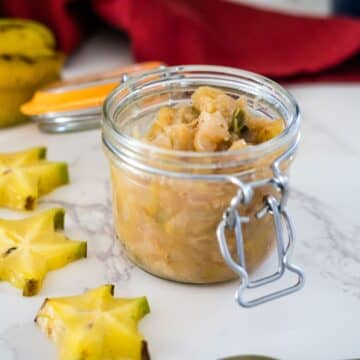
(95, 325)
(26, 175)
(31, 247)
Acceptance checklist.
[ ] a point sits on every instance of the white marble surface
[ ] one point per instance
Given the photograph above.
(188, 322)
(310, 7)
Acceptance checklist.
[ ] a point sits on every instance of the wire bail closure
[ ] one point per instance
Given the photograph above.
(232, 220)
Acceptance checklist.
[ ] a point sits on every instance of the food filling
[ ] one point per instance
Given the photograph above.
(214, 121)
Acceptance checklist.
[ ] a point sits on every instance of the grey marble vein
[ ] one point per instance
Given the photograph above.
(332, 249)
(95, 220)
(7, 345)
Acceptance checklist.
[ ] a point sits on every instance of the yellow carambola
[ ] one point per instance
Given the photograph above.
(26, 175)
(95, 325)
(28, 60)
(33, 246)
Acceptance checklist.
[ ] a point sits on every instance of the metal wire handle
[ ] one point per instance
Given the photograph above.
(232, 220)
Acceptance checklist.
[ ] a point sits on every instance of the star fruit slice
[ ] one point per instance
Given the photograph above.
(26, 175)
(95, 325)
(33, 246)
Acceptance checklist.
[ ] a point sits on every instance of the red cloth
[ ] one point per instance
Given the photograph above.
(278, 45)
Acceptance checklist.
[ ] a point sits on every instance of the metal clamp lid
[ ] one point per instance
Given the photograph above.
(232, 220)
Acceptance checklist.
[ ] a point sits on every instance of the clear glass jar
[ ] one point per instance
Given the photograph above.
(169, 205)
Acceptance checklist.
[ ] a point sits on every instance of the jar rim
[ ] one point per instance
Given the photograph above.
(134, 84)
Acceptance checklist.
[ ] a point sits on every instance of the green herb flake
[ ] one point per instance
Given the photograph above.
(237, 121)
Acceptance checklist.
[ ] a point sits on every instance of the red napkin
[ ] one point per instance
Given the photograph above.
(218, 32)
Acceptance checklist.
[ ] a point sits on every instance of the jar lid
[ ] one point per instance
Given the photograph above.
(76, 104)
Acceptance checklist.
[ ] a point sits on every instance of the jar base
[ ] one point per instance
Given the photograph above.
(177, 279)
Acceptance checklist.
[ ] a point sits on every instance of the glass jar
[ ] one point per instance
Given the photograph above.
(201, 217)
